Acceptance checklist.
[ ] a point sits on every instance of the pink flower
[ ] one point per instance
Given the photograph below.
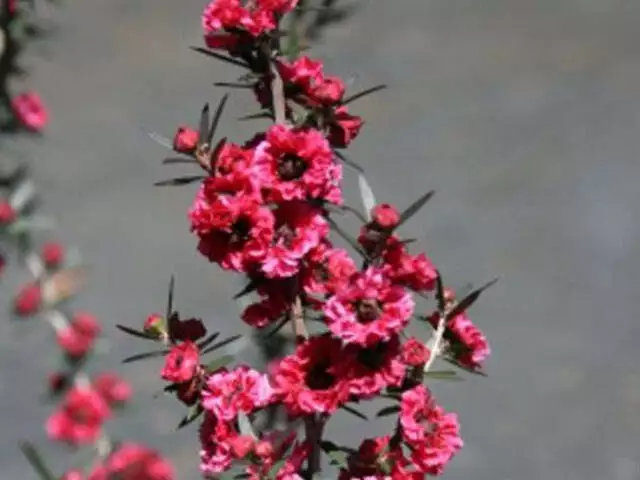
(385, 216)
(432, 434)
(375, 368)
(376, 460)
(28, 300)
(299, 228)
(264, 312)
(78, 338)
(240, 390)
(186, 139)
(278, 6)
(369, 309)
(52, 254)
(415, 353)
(326, 269)
(113, 389)
(79, 419)
(297, 164)
(30, 111)
(416, 272)
(73, 475)
(344, 127)
(7, 213)
(302, 72)
(134, 462)
(182, 362)
(216, 454)
(474, 345)
(314, 378)
(327, 91)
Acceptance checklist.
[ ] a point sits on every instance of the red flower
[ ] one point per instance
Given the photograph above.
(181, 364)
(415, 353)
(216, 453)
(52, 254)
(28, 300)
(242, 389)
(375, 368)
(326, 269)
(234, 230)
(344, 127)
(432, 434)
(134, 462)
(79, 419)
(78, 338)
(186, 139)
(72, 475)
(385, 216)
(30, 111)
(7, 213)
(114, 389)
(230, 15)
(264, 312)
(416, 272)
(328, 91)
(299, 228)
(302, 72)
(278, 6)
(297, 164)
(375, 460)
(369, 309)
(474, 347)
(314, 378)
(191, 329)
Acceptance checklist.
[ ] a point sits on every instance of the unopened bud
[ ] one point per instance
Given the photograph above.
(185, 140)
(156, 326)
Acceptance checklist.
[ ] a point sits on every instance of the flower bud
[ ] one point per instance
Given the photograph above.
(263, 449)
(114, 389)
(156, 326)
(185, 140)
(28, 300)
(7, 213)
(385, 216)
(72, 475)
(30, 111)
(241, 446)
(52, 254)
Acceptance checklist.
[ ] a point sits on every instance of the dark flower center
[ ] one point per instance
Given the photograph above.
(286, 234)
(291, 167)
(374, 357)
(240, 230)
(318, 378)
(368, 310)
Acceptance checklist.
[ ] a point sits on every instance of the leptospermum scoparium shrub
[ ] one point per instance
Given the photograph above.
(265, 209)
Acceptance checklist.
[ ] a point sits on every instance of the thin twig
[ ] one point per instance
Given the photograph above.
(277, 94)
(435, 342)
(296, 318)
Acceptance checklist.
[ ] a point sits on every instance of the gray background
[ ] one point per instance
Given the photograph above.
(522, 114)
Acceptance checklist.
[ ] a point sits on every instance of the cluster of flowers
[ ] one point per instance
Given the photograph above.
(26, 109)
(264, 210)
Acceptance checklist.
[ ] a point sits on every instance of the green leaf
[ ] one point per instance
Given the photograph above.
(143, 356)
(257, 116)
(219, 56)
(244, 425)
(135, 333)
(363, 93)
(36, 461)
(172, 286)
(469, 300)
(443, 375)
(173, 160)
(337, 455)
(218, 363)
(204, 124)
(30, 224)
(440, 292)
(233, 85)
(179, 181)
(208, 340)
(221, 344)
(367, 196)
(250, 287)
(276, 468)
(160, 140)
(194, 412)
(386, 411)
(354, 412)
(216, 118)
(350, 240)
(415, 206)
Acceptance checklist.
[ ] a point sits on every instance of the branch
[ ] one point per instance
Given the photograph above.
(435, 342)
(277, 93)
(296, 318)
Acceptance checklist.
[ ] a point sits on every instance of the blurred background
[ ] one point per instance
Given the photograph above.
(523, 115)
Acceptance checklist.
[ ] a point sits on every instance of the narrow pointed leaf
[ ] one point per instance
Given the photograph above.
(338, 455)
(453, 361)
(173, 160)
(440, 292)
(469, 300)
(22, 195)
(204, 123)
(355, 412)
(216, 118)
(160, 140)
(250, 287)
(273, 471)
(233, 85)
(415, 206)
(135, 333)
(363, 93)
(221, 344)
(244, 425)
(219, 56)
(194, 412)
(386, 411)
(178, 181)
(36, 461)
(218, 363)
(172, 286)
(143, 356)
(29, 224)
(208, 340)
(256, 116)
(350, 240)
(443, 375)
(367, 196)
(349, 162)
